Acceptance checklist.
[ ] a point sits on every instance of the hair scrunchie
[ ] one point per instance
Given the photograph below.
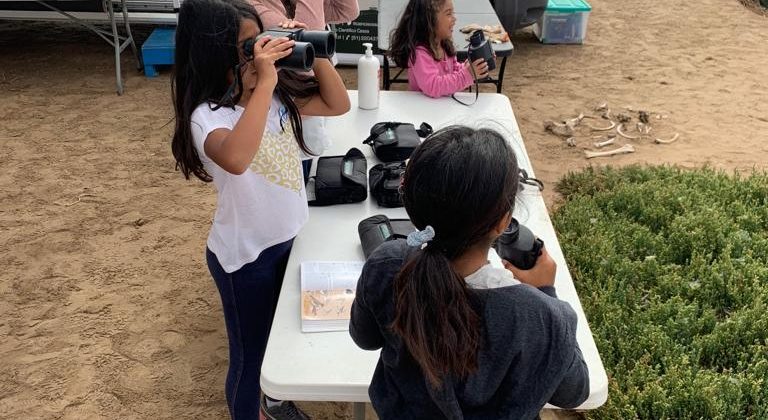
(421, 237)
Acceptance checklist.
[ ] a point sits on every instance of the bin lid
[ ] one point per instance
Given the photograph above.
(568, 6)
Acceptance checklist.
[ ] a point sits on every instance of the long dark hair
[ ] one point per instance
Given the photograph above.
(206, 51)
(417, 27)
(462, 182)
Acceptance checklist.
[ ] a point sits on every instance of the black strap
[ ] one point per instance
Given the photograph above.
(525, 179)
(424, 130)
(228, 99)
(477, 83)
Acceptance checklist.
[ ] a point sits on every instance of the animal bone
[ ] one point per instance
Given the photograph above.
(604, 143)
(565, 128)
(571, 141)
(593, 128)
(662, 141)
(472, 27)
(573, 122)
(620, 130)
(602, 106)
(627, 148)
(559, 129)
(607, 114)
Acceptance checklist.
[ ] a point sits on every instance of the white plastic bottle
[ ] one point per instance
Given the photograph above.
(368, 79)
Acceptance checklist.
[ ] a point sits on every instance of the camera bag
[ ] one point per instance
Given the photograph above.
(340, 179)
(378, 229)
(394, 141)
(384, 181)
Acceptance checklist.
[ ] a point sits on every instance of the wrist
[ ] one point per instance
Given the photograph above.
(265, 86)
(322, 62)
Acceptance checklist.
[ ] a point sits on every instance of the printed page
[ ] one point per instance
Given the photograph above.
(328, 289)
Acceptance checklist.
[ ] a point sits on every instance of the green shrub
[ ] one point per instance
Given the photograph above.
(672, 270)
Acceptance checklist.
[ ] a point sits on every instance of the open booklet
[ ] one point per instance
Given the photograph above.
(327, 293)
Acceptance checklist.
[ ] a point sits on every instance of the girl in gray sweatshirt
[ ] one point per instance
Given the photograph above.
(461, 339)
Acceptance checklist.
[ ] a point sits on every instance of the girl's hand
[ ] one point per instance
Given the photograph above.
(291, 24)
(481, 68)
(540, 275)
(266, 51)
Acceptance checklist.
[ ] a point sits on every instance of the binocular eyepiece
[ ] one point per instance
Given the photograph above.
(519, 246)
(479, 47)
(309, 44)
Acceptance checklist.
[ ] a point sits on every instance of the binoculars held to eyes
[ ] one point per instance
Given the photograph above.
(519, 246)
(309, 44)
(479, 47)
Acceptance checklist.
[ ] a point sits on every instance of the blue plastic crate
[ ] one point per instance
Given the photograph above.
(563, 22)
(158, 50)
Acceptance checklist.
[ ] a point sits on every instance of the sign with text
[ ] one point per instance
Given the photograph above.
(351, 36)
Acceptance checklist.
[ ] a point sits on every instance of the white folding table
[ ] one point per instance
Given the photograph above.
(328, 366)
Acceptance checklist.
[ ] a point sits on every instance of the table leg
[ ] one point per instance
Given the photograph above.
(359, 411)
(115, 44)
(129, 34)
(385, 76)
(501, 74)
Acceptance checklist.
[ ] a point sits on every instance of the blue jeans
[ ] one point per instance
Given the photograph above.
(249, 299)
(306, 166)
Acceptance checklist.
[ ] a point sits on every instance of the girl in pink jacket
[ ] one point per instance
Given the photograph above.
(423, 43)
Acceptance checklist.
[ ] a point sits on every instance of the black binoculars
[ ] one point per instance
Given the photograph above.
(519, 246)
(479, 47)
(309, 44)
(378, 229)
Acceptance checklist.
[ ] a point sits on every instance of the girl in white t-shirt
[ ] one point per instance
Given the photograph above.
(238, 124)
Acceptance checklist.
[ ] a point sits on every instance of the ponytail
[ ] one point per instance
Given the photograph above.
(434, 316)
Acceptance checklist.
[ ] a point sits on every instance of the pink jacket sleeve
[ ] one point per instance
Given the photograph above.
(340, 11)
(271, 12)
(315, 13)
(426, 75)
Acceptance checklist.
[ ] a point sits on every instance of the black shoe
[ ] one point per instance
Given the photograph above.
(287, 410)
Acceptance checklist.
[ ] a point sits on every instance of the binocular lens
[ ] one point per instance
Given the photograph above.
(477, 38)
(248, 48)
(302, 57)
(510, 234)
(308, 45)
(519, 246)
(323, 41)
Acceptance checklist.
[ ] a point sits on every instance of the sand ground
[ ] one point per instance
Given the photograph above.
(106, 306)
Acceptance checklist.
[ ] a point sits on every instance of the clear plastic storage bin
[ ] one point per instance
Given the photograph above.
(563, 22)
